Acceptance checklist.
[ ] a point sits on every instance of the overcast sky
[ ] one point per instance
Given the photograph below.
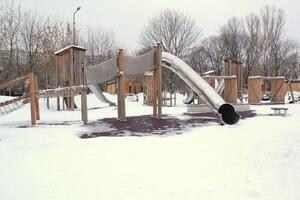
(127, 17)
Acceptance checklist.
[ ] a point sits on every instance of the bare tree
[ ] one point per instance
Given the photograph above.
(11, 20)
(273, 31)
(177, 33)
(32, 33)
(208, 56)
(231, 37)
(101, 44)
(251, 45)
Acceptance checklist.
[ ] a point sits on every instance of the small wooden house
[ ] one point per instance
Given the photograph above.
(70, 66)
(70, 71)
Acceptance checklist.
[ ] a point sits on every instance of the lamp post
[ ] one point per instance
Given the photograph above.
(74, 40)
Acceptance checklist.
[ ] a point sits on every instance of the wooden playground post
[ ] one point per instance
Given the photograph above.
(84, 112)
(159, 79)
(38, 117)
(32, 97)
(121, 84)
(155, 83)
(57, 82)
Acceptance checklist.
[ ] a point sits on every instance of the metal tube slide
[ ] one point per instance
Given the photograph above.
(190, 98)
(97, 91)
(214, 101)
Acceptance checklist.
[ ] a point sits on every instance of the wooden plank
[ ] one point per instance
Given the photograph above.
(32, 99)
(14, 82)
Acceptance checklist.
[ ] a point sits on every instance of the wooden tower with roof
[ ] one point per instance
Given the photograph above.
(70, 70)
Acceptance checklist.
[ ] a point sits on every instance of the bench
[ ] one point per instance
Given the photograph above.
(280, 111)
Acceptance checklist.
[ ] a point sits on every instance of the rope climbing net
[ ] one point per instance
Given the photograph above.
(108, 70)
(139, 64)
(102, 72)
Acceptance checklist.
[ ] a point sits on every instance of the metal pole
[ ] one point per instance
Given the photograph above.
(74, 30)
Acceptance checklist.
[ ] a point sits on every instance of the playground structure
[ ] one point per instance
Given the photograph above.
(71, 75)
(256, 89)
(32, 95)
(167, 98)
(219, 93)
(121, 66)
(70, 71)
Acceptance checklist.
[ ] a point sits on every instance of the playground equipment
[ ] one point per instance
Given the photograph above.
(97, 91)
(235, 68)
(16, 103)
(278, 89)
(71, 74)
(201, 87)
(70, 71)
(33, 95)
(122, 65)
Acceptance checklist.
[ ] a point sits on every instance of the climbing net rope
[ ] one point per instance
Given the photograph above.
(102, 72)
(139, 64)
(108, 70)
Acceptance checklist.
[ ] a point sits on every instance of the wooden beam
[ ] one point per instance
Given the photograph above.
(36, 88)
(121, 85)
(159, 79)
(14, 82)
(84, 110)
(220, 77)
(155, 83)
(32, 98)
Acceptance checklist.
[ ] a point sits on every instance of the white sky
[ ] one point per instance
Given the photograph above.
(127, 17)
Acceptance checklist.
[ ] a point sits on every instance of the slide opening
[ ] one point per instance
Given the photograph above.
(229, 116)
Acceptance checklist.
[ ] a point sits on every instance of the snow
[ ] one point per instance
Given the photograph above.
(259, 158)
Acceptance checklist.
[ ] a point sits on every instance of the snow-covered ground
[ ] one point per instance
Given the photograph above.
(259, 158)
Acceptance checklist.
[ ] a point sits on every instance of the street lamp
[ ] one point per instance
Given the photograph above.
(78, 8)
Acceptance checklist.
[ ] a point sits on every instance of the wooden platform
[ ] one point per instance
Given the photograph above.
(202, 108)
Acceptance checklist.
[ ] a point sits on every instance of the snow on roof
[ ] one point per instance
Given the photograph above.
(69, 47)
